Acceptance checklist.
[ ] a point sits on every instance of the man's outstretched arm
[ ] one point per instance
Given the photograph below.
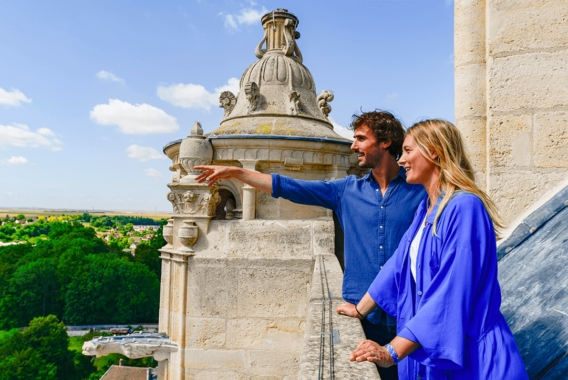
(213, 173)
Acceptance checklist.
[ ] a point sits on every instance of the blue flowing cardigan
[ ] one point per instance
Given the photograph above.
(452, 309)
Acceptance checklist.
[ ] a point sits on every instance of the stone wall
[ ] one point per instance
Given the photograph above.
(511, 81)
(247, 294)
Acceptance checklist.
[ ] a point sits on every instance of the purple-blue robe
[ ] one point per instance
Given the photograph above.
(452, 309)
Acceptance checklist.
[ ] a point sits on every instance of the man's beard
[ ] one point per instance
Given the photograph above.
(371, 162)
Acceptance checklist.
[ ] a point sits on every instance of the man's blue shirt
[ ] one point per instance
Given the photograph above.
(373, 225)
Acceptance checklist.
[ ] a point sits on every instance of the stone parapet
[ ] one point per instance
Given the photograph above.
(344, 333)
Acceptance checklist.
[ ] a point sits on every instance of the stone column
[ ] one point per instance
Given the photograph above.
(471, 81)
(249, 192)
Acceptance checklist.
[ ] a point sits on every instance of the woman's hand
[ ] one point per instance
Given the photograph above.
(348, 309)
(365, 352)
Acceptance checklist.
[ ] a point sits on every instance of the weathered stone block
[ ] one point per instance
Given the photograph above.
(474, 134)
(470, 83)
(265, 334)
(551, 139)
(525, 82)
(515, 190)
(324, 237)
(469, 32)
(521, 25)
(211, 359)
(287, 361)
(205, 332)
(273, 292)
(510, 141)
(210, 289)
(268, 239)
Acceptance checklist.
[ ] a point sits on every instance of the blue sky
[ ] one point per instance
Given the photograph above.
(90, 91)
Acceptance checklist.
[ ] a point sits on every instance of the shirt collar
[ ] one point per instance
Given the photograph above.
(401, 175)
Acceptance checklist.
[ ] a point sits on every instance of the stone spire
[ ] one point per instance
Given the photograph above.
(277, 94)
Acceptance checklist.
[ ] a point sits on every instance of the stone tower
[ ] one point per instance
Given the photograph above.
(237, 272)
(249, 282)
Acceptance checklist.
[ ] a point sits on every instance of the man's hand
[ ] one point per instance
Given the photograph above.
(365, 352)
(213, 173)
(348, 309)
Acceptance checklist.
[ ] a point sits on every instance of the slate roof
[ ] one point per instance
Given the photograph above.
(533, 273)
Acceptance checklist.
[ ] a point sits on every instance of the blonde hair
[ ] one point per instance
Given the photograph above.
(456, 174)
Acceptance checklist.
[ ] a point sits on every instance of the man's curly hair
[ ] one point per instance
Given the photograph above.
(385, 127)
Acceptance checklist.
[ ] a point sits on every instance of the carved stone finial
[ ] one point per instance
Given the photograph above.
(252, 93)
(227, 101)
(323, 98)
(295, 103)
(280, 34)
(196, 130)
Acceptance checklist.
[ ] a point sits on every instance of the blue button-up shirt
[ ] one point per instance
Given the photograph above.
(373, 224)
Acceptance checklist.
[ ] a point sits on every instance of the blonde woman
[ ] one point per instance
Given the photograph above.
(441, 283)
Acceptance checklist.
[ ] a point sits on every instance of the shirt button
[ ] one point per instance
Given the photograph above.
(381, 247)
(381, 226)
(418, 265)
(419, 377)
(381, 267)
(419, 293)
(382, 207)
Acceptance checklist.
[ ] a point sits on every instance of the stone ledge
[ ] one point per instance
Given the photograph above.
(350, 330)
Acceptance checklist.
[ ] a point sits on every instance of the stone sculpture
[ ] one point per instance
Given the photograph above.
(295, 103)
(323, 98)
(252, 93)
(227, 101)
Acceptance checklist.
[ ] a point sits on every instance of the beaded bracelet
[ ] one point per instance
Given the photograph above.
(392, 353)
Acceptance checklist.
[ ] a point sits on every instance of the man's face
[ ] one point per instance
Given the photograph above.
(369, 152)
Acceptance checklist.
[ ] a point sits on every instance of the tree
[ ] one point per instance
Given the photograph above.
(48, 337)
(20, 217)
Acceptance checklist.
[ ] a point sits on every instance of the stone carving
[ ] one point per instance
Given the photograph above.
(194, 203)
(168, 233)
(189, 163)
(259, 51)
(253, 94)
(295, 108)
(229, 209)
(176, 202)
(187, 235)
(323, 98)
(227, 101)
(133, 346)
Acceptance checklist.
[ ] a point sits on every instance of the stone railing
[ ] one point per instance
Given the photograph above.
(327, 349)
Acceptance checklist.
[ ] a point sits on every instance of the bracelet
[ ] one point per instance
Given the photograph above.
(362, 317)
(392, 353)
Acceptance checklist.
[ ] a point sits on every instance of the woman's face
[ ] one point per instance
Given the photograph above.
(418, 169)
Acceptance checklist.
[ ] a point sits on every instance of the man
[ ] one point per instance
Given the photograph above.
(374, 211)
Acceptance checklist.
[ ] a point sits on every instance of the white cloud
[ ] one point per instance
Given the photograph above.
(341, 131)
(21, 136)
(109, 77)
(195, 95)
(16, 160)
(392, 96)
(143, 153)
(139, 119)
(13, 98)
(246, 16)
(153, 173)
(46, 132)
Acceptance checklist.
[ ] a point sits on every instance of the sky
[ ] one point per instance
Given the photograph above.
(91, 91)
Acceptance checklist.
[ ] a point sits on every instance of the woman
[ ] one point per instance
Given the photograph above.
(441, 283)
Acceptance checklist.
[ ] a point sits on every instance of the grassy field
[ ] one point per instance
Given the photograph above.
(12, 212)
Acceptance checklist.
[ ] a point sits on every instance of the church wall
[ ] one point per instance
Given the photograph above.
(511, 74)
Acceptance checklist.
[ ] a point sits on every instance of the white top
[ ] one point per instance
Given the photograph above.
(414, 248)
